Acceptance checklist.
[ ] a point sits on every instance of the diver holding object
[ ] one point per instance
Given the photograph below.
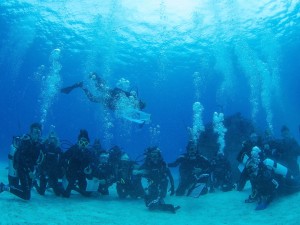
(127, 104)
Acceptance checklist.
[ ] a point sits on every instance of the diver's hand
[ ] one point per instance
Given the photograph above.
(172, 190)
(139, 172)
(204, 175)
(32, 175)
(135, 172)
(102, 182)
(197, 170)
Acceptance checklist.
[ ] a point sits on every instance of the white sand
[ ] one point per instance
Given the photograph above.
(216, 208)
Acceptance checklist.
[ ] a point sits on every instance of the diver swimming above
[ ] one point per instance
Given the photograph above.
(125, 104)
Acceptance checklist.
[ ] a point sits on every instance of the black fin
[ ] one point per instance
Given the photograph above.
(67, 90)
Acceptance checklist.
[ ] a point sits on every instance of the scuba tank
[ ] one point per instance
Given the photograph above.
(277, 167)
(242, 165)
(13, 148)
(298, 158)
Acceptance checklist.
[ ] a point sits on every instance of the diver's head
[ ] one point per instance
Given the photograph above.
(104, 157)
(115, 152)
(191, 149)
(124, 157)
(97, 145)
(52, 139)
(255, 152)
(83, 143)
(83, 139)
(285, 131)
(93, 75)
(133, 94)
(35, 132)
(220, 155)
(142, 104)
(253, 137)
(153, 154)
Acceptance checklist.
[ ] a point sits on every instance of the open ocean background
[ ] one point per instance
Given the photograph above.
(230, 55)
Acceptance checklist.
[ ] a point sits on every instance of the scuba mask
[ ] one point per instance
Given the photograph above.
(35, 134)
(103, 158)
(155, 156)
(52, 140)
(83, 142)
(192, 152)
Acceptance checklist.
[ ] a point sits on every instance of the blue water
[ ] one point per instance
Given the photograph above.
(245, 52)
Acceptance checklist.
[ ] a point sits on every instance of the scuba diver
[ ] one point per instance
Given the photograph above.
(127, 184)
(244, 155)
(268, 179)
(50, 170)
(193, 169)
(288, 151)
(79, 163)
(126, 104)
(97, 147)
(104, 172)
(155, 170)
(27, 156)
(263, 181)
(220, 173)
(12, 172)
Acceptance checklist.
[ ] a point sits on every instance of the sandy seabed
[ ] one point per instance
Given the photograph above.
(211, 209)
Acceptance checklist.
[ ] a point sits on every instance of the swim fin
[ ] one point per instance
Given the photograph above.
(67, 90)
(261, 206)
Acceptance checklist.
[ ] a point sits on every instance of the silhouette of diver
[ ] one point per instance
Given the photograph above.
(114, 99)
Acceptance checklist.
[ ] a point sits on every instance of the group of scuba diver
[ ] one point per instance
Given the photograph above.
(88, 168)
(271, 165)
(40, 163)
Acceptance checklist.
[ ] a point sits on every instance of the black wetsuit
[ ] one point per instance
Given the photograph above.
(104, 172)
(246, 150)
(157, 175)
(188, 175)
(127, 183)
(25, 162)
(50, 170)
(264, 182)
(287, 153)
(221, 176)
(75, 162)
